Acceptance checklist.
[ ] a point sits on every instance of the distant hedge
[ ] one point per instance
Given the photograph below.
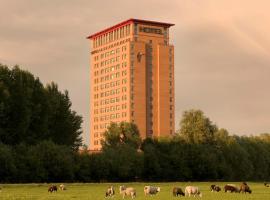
(245, 158)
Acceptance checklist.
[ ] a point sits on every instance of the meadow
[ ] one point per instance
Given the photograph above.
(96, 191)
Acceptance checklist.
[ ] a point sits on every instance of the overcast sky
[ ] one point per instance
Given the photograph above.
(222, 51)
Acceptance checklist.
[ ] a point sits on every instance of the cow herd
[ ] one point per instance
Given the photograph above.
(152, 190)
(244, 188)
(177, 191)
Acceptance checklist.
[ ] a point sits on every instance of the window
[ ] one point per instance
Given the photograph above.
(112, 108)
(124, 97)
(124, 81)
(124, 73)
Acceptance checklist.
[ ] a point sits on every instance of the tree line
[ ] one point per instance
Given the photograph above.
(40, 136)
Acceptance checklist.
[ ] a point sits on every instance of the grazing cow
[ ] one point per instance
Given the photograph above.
(215, 188)
(52, 188)
(130, 191)
(110, 192)
(62, 187)
(266, 184)
(151, 190)
(244, 188)
(231, 188)
(192, 190)
(177, 191)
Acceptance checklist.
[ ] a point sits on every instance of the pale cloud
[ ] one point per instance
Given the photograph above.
(222, 51)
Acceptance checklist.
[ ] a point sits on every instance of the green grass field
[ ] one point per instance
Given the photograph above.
(96, 191)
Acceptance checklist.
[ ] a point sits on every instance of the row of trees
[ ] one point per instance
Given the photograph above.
(199, 151)
(127, 158)
(40, 136)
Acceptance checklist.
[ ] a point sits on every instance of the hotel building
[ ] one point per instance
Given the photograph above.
(132, 79)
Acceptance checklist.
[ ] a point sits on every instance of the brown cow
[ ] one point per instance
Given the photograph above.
(52, 188)
(215, 188)
(177, 191)
(244, 188)
(231, 188)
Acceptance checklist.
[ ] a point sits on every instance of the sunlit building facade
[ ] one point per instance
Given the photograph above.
(132, 79)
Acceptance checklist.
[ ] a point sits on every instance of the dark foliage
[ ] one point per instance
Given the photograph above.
(30, 112)
(39, 133)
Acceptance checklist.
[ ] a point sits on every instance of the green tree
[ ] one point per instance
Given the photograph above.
(124, 163)
(197, 128)
(122, 133)
(120, 152)
(64, 125)
(30, 113)
(7, 167)
(58, 161)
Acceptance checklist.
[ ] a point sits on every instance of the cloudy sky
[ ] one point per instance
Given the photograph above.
(222, 51)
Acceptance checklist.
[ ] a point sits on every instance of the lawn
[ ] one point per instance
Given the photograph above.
(96, 191)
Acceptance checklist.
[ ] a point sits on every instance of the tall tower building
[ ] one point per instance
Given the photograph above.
(132, 79)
